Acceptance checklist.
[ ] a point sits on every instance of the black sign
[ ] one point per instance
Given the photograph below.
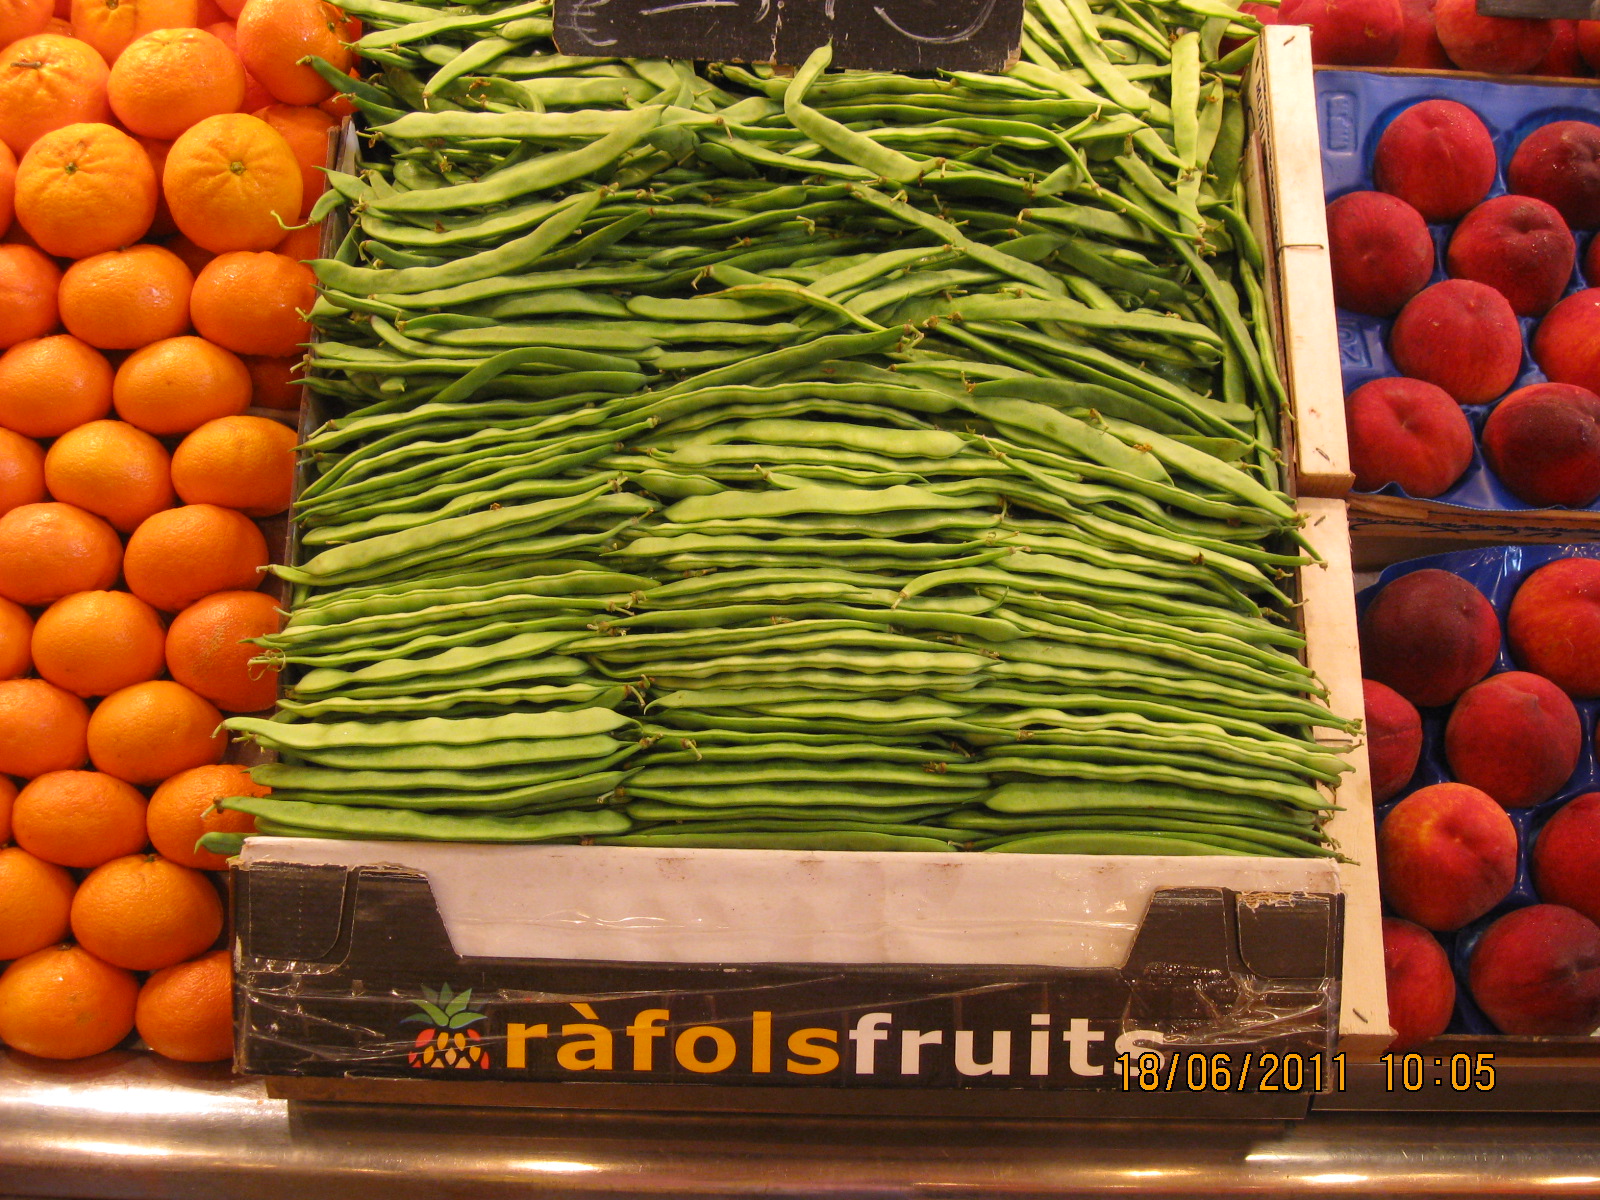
(885, 35)
(1577, 10)
(349, 972)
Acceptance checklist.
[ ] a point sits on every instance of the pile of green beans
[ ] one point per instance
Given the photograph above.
(716, 457)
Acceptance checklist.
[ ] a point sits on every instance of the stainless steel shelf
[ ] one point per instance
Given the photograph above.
(129, 1126)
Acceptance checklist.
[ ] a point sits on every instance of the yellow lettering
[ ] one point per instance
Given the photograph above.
(815, 1059)
(592, 1053)
(760, 1042)
(517, 1036)
(683, 1048)
(645, 1029)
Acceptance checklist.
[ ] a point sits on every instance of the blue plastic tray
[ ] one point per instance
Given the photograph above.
(1497, 572)
(1353, 110)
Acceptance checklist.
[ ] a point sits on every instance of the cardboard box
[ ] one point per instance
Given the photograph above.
(336, 940)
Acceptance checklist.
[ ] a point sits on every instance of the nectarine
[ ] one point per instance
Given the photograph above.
(1554, 625)
(1515, 736)
(1447, 854)
(1537, 971)
(1543, 443)
(1422, 988)
(1430, 635)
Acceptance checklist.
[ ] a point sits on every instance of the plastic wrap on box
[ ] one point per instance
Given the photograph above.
(1497, 572)
(820, 969)
(1353, 110)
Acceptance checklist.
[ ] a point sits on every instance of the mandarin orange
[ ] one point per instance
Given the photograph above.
(113, 469)
(62, 1002)
(232, 183)
(8, 186)
(168, 80)
(207, 650)
(21, 471)
(245, 463)
(182, 554)
(124, 299)
(79, 818)
(142, 912)
(52, 384)
(274, 382)
(183, 810)
(35, 900)
(276, 36)
(42, 728)
(20, 19)
(177, 385)
(305, 128)
(185, 1012)
(111, 26)
(252, 303)
(96, 643)
(47, 81)
(85, 188)
(16, 653)
(146, 732)
(29, 283)
(51, 550)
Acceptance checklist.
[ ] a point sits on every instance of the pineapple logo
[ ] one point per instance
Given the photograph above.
(447, 1041)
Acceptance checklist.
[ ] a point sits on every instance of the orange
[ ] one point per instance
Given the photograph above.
(275, 35)
(303, 243)
(84, 189)
(179, 555)
(96, 643)
(143, 913)
(206, 650)
(63, 1002)
(185, 1011)
(79, 818)
(161, 227)
(273, 383)
(179, 384)
(8, 796)
(29, 282)
(114, 470)
(52, 384)
(245, 463)
(35, 898)
(148, 731)
(110, 26)
(251, 303)
(232, 183)
(8, 186)
(21, 472)
(194, 257)
(255, 96)
(16, 654)
(167, 80)
(124, 299)
(20, 19)
(182, 810)
(47, 81)
(51, 550)
(42, 728)
(306, 130)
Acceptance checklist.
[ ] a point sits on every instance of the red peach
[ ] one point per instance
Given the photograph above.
(1422, 988)
(1520, 247)
(1559, 163)
(1566, 856)
(1562, 60)
(1461, 335)
(1566, 345)
(1408, 432)
(1419, 40)
(1537, 971)
(1380, 252)
(1349, 33)
(1543, 443)
(1447, 854)
(1394, 739)
(1495, 45)
(1589, 43)
(1438, 157)
(1554, 625)
(1429, 635)
(1516, 736)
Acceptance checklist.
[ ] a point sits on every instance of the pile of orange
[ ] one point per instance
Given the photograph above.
(158, 160)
